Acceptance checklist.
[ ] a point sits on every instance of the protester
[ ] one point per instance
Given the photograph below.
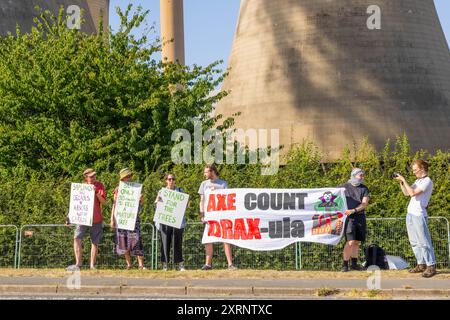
(417, 218)
(169, 233)
(213, 182)
(96, 231)
(128, 243)
(357, 195)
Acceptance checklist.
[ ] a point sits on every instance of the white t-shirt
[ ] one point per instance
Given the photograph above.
(212, 185)
(418, 204)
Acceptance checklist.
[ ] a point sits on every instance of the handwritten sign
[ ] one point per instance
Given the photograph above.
(81, 209)
(172, 207)
(127, 205)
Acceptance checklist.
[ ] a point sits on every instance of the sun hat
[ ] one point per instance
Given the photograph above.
(126, 172)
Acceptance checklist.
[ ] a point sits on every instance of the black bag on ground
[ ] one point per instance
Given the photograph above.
(375, 255)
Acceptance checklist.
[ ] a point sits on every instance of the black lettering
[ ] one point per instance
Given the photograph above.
(298, 229)
(286, 228)
(276, 201)
(289, 201)
(263, 201)
(275, 229)
(301, 200)
(250, 201)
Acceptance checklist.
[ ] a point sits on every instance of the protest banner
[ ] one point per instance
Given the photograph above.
(81, 210)
(172, 207)
(127, 205)
(271, 219)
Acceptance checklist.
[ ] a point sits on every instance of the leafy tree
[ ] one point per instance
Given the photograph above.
(70, 100)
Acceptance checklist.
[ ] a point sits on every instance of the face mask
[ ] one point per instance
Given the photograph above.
(355, 181)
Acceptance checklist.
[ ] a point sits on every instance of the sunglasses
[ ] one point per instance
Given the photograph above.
(170, 179)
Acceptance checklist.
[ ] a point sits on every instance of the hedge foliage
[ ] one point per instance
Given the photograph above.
(39, 199)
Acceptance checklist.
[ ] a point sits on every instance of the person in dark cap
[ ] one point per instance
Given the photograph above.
(357, 196)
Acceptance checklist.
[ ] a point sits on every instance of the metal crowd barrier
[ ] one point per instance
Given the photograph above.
(51, 246)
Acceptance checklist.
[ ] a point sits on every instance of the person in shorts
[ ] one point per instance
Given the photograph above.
(96, 230)
(213, 182)
(357, 196)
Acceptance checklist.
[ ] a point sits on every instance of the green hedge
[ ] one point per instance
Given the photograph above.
(35, 198)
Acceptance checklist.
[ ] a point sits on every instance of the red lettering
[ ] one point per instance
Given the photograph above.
(214, 229)
(227, 229)
(224, 202)
(211, 203)
(240, 231)
(253, 229)
(221, 203)
(231, 201)
(320, 220)
(237, 231)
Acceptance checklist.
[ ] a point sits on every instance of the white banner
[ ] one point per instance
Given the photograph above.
(271, 219)
(81, 209)
(172, 207)
(127, 205)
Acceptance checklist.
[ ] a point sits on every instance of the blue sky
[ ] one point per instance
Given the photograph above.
(210, 25)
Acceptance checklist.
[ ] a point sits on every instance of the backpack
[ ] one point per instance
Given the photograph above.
(375, 255)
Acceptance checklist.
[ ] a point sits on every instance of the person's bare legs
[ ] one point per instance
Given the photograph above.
(77, 250)
(228, 253)
(209, 250)
(355, 249)
(348, 250)
(94, 250)
(141, 261)
(128, 259)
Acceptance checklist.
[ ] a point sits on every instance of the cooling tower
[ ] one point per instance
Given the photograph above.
(336, 71)
(22, 12)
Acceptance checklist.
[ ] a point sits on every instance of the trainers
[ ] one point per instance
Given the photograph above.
(93, 268)
(232, 267)
(142, 268)
(164, 267)
(344, 268)
(206, 267)
(181, 267)
(356, 267)
(429, 272)
(418, 269)
(73, 267)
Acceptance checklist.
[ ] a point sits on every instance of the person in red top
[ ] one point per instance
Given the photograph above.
(96, 231)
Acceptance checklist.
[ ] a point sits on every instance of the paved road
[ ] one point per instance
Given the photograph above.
(101, 288)
(418, 283)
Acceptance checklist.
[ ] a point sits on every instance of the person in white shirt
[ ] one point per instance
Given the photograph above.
(213, 182)
(416, 218)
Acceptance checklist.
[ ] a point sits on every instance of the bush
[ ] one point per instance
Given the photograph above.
(31, 198)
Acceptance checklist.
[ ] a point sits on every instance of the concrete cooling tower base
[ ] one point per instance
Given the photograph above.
(317, 69)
